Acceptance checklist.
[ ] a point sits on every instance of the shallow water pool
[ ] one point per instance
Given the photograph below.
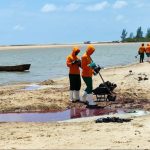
(64, 115)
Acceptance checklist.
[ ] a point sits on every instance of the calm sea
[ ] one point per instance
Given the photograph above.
(49, 63)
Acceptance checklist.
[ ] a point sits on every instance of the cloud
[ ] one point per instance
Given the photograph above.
(49, 8)
(72, 7)
(98, 6)
(119, 4)
(18, 27)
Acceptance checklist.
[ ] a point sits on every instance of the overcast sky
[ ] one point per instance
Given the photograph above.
(68, 21)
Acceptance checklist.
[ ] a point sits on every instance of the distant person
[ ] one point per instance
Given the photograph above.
(87, 73)
(147, 51)
(141, 52)
(73, 62)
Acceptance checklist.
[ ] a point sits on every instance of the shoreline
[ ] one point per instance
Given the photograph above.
(34, 46)
(64, 77)
(55, 95)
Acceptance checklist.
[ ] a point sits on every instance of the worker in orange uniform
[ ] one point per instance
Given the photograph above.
(87, 73)
(74, 63)
(141, 52)
(147, 51)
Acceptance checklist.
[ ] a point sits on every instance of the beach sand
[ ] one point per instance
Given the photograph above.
(133, 86)
(77, 135)
(36, 46)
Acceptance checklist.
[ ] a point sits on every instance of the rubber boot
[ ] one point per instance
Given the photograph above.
(147, 59)
(71, 96)
(77, 96)
(83, 98)
(91, 103)
(90, 99)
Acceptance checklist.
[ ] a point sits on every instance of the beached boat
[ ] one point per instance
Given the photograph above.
(22, 67)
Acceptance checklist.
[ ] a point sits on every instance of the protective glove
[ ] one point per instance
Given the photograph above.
(92, 65)
(78, 62)
(97, 70)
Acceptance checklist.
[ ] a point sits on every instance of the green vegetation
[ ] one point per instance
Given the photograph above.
(139, 37)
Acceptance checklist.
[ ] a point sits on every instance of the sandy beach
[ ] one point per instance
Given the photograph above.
(46, 46)
(32, 46)
(133, 86)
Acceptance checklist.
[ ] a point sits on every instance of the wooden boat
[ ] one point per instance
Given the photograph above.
(22, 67)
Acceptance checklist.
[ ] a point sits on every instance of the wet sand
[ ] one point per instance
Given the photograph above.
(132, 92)
(55, 95)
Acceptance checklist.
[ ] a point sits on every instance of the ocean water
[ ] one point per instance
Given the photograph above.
(50, 63)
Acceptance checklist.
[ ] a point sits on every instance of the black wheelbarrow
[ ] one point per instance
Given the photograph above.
(104, 92)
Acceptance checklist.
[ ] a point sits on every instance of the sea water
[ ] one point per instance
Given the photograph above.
(50, 63)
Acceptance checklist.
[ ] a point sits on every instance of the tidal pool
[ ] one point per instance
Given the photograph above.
(64, 115)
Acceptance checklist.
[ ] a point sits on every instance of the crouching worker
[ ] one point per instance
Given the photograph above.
(87, 73)
(74, 63)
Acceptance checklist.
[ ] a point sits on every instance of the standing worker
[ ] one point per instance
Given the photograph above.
(87, 73)
(147, 51)
(73, 62)
(141, 53)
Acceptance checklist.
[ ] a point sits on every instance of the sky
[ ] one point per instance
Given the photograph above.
(70, 21)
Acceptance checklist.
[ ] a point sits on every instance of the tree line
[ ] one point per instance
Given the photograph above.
(138, 37)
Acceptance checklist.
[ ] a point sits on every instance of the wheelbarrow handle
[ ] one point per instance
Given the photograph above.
(105, 83)
(101, 77)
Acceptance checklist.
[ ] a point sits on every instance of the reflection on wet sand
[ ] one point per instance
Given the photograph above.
(64, 115)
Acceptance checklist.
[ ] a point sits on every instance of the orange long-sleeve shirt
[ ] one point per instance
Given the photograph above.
(85, 61)
(73, 68)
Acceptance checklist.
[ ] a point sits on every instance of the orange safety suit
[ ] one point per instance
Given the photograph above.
(73, 68)
(147, 49)
(86, 60)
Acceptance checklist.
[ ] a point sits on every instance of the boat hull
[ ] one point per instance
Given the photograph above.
(19, 68)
